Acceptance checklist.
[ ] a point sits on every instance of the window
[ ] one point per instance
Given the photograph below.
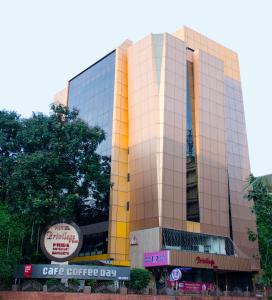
(196, 242)
(191, 159)
(92, 93)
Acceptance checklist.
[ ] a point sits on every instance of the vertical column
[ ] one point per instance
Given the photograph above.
(173, 98)
(144, 127)
(118, 244)
(210, 143)
(238, 167)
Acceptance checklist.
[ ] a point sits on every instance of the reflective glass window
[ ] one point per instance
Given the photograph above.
(191, 160)
(91, 92)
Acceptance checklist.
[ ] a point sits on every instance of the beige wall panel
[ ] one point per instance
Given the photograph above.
(173, 99)
(144, 127)
(188, 259)
(157, 138)
(195, 40)
(211, 143)
(147, 240)
(238, 167)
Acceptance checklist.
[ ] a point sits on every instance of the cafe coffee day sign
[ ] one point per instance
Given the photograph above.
(72, 271)
(61, 242)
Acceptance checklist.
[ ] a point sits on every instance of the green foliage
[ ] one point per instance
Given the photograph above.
(12, 232)
(139, 279)
(50, 171)
(252, 236)
(74, 281)
(90, 282)
(57, 168)
(52, 281)
(262, 207)
(9, 147)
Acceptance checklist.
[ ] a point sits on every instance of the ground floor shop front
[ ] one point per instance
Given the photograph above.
(199, 280)
(195, 272)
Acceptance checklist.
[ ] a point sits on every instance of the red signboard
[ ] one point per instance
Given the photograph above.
(199, 287)
(188, 286)
(27, 271)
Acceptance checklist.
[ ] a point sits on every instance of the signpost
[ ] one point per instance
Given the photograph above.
(60, 243)
(176, 276)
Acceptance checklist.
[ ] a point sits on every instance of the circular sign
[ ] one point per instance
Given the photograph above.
(61, 242)
(175, 275)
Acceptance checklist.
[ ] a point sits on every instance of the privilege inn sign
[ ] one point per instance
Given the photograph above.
(72, 271)
(61, 242)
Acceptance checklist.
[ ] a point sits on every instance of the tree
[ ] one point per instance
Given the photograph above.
(139, 279)
(262, 207)
(9, 148)
(50, 169)
(12, 232)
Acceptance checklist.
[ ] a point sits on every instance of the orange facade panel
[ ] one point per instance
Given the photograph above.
(119, 217)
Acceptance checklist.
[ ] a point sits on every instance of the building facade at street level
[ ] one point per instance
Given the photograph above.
(172, 109)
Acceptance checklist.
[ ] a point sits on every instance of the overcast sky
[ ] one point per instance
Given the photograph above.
(45, 43)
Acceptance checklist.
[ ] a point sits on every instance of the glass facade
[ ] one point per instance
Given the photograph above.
(196, 242)
(191, 163)
(94, 244)
(91, 92)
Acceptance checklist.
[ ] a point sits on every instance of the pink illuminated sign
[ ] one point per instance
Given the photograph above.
(156, 259)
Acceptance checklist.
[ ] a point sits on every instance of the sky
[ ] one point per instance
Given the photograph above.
(45, 43)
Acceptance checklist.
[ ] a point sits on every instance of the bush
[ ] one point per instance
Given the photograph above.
(52, 281)
(74, 281)
(90, 282)
(54, 285)
(31, 285)
(105, 289)
(12, 232)
(139, 279)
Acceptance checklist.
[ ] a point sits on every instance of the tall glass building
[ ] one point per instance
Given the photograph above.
(172, 109)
